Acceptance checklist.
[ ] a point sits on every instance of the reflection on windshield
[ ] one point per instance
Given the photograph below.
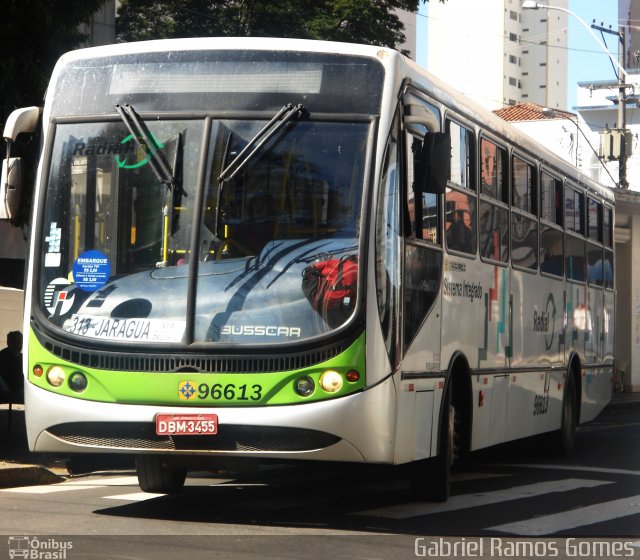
(118, 241)
(306, 184)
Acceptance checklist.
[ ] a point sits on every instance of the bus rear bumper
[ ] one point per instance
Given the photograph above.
(354, 428)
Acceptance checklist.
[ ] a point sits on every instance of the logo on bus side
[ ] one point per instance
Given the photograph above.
(545, 321)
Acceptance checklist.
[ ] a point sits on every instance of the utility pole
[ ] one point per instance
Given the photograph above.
(620, 142)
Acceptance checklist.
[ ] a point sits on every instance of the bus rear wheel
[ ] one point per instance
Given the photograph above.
(155, 475)
(564, 440)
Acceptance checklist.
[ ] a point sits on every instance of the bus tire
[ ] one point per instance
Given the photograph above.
(154, 475)
(565, 438)
(431, 478)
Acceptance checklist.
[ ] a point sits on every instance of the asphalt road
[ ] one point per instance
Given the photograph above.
(326, 511)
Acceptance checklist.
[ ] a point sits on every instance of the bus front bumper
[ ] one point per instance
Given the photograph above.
(355, 428)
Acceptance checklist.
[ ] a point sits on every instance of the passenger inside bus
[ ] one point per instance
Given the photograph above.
(459, 236)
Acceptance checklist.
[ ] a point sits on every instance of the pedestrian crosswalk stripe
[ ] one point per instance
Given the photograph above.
(104, 481)
(135, 497)
(565, 520)
(479, 499)
(49, 488)
(467, 476)
(577, 468)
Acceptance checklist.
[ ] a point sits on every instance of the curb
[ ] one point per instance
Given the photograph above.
(28, 475)
(631, 401)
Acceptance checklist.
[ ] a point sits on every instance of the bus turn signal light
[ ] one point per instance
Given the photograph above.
(353, 376)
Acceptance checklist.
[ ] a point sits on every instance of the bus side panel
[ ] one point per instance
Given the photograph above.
(538, 319)
(608, 322)
(474, 309)
(535, 393)
(597, 380)
(577, 319)
(418, 395)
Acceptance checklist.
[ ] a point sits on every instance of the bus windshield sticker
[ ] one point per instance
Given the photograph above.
(125, 164)
(57, 299)
(107, 328)
(52, 257)
(91, 270)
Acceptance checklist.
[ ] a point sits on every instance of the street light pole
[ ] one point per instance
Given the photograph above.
(622, 85)
(622, 105)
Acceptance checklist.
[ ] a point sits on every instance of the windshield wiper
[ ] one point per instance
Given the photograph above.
(147, 143)
(282, 117)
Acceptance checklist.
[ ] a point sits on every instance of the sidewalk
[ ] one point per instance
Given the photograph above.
(20, 467)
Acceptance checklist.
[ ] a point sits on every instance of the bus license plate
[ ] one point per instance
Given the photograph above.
(186, 424)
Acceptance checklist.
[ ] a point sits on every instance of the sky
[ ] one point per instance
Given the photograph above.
(587, 60)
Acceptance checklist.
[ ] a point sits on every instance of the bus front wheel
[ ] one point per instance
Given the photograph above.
(431, 478)
(155, 475)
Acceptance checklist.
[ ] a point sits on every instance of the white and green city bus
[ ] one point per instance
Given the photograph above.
(286, 249)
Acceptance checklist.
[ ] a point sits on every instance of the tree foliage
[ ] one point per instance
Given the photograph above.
(34, 35)
(361, 21)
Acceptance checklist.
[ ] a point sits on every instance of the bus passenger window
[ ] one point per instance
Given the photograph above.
(462, 156)
(575, 259)
(551, 251)
(493, 218)
(494, 165)
(460, 221)
(524, 186)
(422, 215)
(574, 210)
(551, 199)
(494, 232)
(594, 220)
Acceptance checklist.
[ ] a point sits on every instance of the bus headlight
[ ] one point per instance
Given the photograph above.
(78, 381)
(55, 376)
(331, 381)
(305, 386)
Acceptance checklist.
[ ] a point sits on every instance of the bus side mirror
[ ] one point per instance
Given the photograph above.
(10, 188)
(435, 156)
(20, 121)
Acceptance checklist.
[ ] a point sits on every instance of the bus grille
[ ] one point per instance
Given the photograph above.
(132, 436)
(148, 362)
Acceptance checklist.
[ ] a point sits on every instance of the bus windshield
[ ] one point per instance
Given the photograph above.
(267, 255)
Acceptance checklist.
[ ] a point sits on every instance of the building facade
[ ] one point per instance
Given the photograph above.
(499, 54)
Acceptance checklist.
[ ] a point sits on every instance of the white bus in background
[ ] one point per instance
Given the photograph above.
(285, 249)
(11, 311)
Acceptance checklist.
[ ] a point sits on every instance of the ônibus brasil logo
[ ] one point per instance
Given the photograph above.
(39, 549)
